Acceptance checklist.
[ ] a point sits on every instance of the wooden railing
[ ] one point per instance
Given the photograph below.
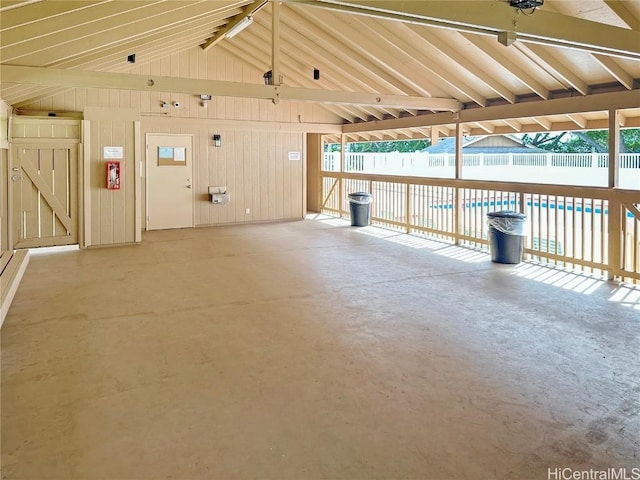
(588, 169)
(591, 229)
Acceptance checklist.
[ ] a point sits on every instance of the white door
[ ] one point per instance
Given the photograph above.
(169, 181)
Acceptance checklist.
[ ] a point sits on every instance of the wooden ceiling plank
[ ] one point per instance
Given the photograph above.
(150, 47)
(543, 122)
(487, 127)
(336, 32)
(255, 42)
(248, 56)
(578, 119)
(350, 60)
(615, 70)
(338, 69)
(145, 20)
(516, 125)
(523, 76)
(35, 11)
(620, 9)
(479, 72)
(53, 25)
(389, 34)
(494, 17)
(623, 119)
(541, 55)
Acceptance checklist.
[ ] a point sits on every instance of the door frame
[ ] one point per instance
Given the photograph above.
(147, 178)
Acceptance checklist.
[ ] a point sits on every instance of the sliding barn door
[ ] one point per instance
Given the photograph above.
(44, 184)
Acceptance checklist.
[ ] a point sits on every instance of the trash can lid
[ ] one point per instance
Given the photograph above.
(359, 194)
(507, 214)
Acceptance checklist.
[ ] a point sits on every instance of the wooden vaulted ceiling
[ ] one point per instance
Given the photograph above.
(413, 50)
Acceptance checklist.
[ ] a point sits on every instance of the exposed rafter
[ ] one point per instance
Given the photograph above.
(515, 124)
(387, 34)
(543, 122)
(221, 34)
(578, 119)
(494, 17)
(492, 50)
(621, 10)
(544, 58)
(558, 106)
(461, 59)
(615, 70)
(355, 42)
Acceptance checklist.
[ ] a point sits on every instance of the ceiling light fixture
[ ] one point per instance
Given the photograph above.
(526, 4)
(240, 26)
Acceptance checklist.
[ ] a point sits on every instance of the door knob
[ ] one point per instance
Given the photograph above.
(16, 177)
(16, 169)
(188, 186)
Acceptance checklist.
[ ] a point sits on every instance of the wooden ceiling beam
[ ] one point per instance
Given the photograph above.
(515, 124)
(336, 73)
(622, 11)
(467, 62)
(492, 17)
(78, 78)
(543, 122)
(338, 32)
(390, 35)
(492, 51)
(249, 55)
(615, 70)
(578, 119)
(530, 109)
(541, 55)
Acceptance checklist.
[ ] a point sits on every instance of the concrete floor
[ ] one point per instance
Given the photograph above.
(313, 350)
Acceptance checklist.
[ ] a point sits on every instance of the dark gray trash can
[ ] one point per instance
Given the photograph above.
(360, 205)
(506, 236)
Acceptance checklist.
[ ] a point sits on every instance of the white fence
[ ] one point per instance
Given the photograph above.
(586, 169)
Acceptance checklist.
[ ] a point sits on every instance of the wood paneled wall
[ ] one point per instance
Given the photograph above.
(4, 174)
(254, 165)
(110, 215)
(45, 128)
(214, 64)
(4, 217)
(253, 162)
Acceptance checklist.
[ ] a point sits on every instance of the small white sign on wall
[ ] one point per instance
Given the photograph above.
(295, 156)
(113, 153)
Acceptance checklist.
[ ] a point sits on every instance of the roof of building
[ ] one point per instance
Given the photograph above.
(475, 145)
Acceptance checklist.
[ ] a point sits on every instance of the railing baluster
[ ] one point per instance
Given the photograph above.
(587, 234)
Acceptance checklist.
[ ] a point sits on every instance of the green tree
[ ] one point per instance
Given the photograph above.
(584, 142)
(404, 146)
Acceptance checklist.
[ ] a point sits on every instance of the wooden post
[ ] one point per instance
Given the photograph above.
(457, 221)
(341, 180)
(615, 207)
(314, 176)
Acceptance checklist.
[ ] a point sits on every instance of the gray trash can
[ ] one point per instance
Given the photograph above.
(360, 206)
(506, 236)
